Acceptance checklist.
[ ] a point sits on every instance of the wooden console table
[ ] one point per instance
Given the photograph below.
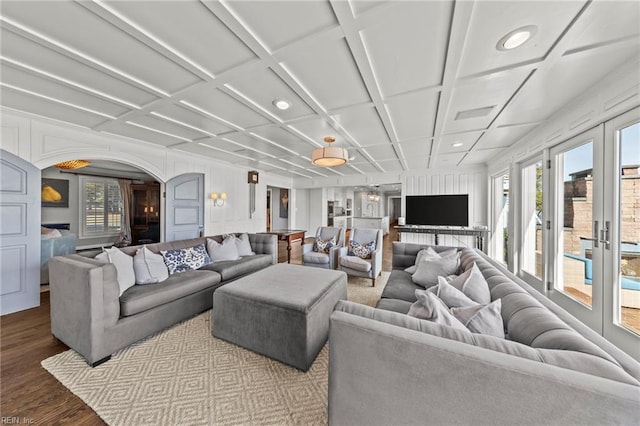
(288, 235)
(479, 233)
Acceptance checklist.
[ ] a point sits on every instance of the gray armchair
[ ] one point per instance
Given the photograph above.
(356, 266)
(324, 260)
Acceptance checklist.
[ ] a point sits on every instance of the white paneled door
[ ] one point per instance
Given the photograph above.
(19, 234)
(184, 207)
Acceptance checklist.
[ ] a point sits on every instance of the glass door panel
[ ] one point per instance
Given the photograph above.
(532, 219)
(629, 243)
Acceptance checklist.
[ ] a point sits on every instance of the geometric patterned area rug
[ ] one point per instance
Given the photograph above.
(183, 375)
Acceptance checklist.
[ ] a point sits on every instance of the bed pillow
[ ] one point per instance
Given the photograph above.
(180, 260)
(228, 250)
(472, 283)
(482, 319)
(149, 267)
(429, 307)
(429, 270)
(124, 266)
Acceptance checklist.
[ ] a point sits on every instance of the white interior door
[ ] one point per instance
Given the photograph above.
(184, 207)
(19, 234)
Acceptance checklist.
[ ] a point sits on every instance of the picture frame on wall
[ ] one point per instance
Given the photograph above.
(54, 193)
(284, 203)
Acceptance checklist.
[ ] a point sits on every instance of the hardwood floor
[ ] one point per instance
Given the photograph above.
(27, 390)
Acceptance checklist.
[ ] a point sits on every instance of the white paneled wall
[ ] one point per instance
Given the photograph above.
(471, 181)
(44, 143)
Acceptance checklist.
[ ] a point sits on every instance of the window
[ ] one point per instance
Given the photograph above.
(532, 219)
(500, 239)
(100, 207)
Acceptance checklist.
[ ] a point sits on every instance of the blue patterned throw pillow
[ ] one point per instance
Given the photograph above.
(324, 246)
(180, 260)
(361, 250)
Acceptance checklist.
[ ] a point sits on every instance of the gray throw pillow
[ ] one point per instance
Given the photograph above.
(429, 253)
(473, 284)
(451, 296)
(482, 319)
(243, 245)
(429, 307)
(429, 270)
(225, 251)
(149, 267)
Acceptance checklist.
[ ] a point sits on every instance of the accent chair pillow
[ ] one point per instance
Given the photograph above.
(363, 251)
(472, 283)
(124, 266)
(482, 319)
(228, 250)
(430, 253)
(324, 246)
(430, 307)
(180, 260)
(429, 270)
(451, 296)
(149, 267)
(243, 245)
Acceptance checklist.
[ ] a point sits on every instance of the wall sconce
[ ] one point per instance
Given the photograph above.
(218, 199)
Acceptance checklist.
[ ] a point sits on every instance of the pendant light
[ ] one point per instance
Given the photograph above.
(329, 156)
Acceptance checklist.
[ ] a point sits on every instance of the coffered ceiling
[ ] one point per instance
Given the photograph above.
(401, 85)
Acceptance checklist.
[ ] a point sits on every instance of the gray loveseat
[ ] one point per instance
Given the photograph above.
(386, 367)
(89, 316)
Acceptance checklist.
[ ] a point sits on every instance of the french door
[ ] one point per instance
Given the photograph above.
(594, 256)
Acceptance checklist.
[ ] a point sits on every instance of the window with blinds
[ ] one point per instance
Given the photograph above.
(101, 207)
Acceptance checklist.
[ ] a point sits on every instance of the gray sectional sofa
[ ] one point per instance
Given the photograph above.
(89, 315)
(386, 367)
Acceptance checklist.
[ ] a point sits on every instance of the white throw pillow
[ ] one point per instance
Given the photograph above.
(482, 319)
(451, 296)
(225, 251)
(149, 267)
(429, 307)
(472, 283)
(243, 245)
(124, 266)
(429, 270)
(429, 254)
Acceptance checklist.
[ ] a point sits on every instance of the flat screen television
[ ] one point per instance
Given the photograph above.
(437, 210)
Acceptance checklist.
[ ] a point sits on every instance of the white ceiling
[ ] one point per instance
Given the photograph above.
(387, 79)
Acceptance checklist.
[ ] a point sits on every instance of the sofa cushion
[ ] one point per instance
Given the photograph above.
(149, 267)
(320, 258)
(473, 285)
(230, 269)
(180, 260)
(395, 305)
(141, 298)
(430, 307)
(482, 319)
(356, 263)
(400, 286)
(429, 270)
(228, 250)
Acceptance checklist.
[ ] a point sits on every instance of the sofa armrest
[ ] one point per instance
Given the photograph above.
(265, 244)
(384, 374)
(84, 303)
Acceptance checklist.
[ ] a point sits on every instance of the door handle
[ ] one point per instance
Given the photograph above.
(595, 235)
(604, 235)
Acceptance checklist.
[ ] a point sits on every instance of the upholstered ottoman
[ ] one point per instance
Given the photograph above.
(281, 311)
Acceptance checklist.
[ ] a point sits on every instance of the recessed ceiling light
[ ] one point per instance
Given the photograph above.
(517, 37)
(281, 104)
(457, 144)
